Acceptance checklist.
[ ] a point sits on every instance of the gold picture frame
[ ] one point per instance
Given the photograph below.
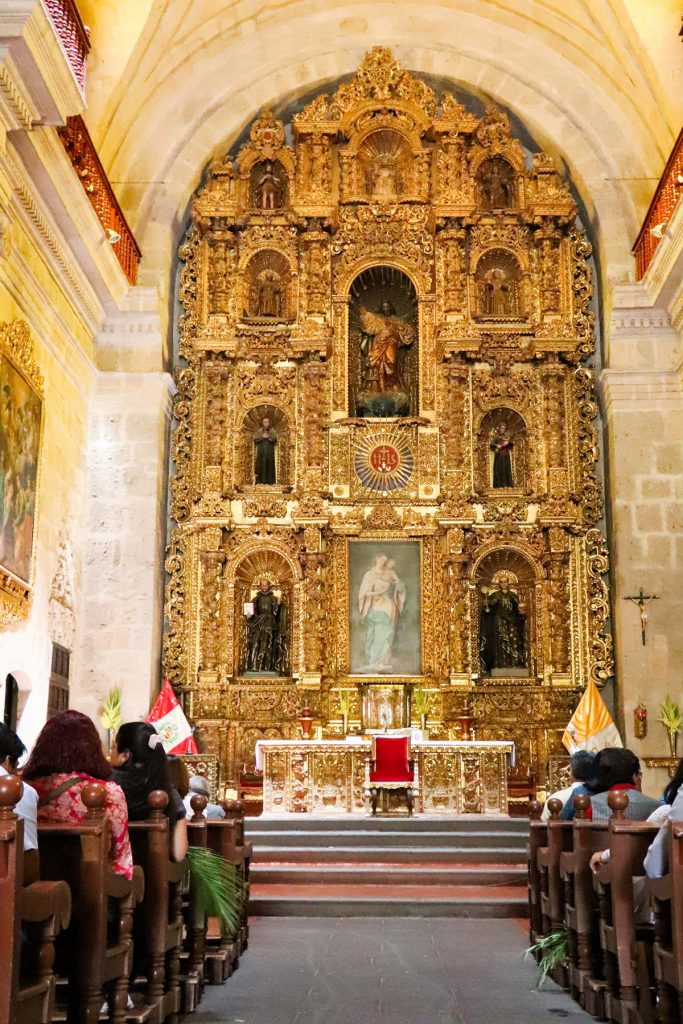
(21, 436)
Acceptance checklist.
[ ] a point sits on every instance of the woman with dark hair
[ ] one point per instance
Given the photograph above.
(67, 756)
(141, 766)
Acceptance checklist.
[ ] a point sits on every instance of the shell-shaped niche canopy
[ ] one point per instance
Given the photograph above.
(386, 159)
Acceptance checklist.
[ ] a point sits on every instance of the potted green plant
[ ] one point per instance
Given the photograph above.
(112, 713)
(344, 701)
(670, 717)
(421, 705)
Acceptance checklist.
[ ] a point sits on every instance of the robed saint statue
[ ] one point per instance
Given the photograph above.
(266, 647)
(501, 629)
(385, 334)
(265, 440)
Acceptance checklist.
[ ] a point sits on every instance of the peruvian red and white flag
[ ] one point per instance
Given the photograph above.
(171, 724)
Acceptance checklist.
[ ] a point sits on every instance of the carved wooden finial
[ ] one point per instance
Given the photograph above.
(555, 807)
(581, 804)
(93, 796)
(198, 804)
(535, 810)
(10, 793)
(617, 801)
(157, 801)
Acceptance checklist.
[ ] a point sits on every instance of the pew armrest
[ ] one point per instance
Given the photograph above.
(119, 887)
(660, 888)
(43, 901)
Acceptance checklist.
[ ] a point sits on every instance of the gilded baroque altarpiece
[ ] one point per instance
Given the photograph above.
(394, 310)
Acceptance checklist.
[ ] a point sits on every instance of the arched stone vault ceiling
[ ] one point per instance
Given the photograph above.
(574, 71)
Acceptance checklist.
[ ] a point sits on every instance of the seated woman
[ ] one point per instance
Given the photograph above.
(141, 766)
(66, 757)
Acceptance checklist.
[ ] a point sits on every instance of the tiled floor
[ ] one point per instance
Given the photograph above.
(386, 971)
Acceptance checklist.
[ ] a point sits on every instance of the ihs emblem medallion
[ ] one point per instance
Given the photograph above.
(384, 461)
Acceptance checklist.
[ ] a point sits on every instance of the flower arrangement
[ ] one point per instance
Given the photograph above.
(420, 702)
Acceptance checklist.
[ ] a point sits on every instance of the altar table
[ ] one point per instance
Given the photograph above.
(329, 776)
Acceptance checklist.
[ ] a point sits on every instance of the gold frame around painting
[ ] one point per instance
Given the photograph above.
(16, 350)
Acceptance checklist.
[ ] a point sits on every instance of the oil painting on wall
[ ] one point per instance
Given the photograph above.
(384, 608)
(20, 414)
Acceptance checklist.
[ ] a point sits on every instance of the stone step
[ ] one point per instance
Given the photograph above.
(340, 839)
(386, 854)
(357, 823)
(375, 901)
(421, 874)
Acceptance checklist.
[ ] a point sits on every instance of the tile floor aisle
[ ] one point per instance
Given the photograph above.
(386, 971)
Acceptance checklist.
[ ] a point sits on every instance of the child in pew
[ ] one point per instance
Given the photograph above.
(582, 767)
(66, 757)
(141, 766)
(11, 752)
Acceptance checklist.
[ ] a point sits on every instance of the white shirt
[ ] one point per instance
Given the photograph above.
(27, 810)
(563, 795)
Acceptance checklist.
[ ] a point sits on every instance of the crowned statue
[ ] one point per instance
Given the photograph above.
(502, 626)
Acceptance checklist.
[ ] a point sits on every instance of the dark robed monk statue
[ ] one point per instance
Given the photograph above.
(501, 628)
(265, 440)
(267, 633)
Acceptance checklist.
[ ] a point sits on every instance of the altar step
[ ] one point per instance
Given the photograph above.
(419, 867)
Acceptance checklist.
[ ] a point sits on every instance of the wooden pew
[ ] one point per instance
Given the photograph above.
(94, 951)
(194, 944)
(559, 839)
(581, 910)
(538, 838)
(667, 897)
(39, 910)
(223, 948)
(624, 946)
(158, 919)
(234, 811)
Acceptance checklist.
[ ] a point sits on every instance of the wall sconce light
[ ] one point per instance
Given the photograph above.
(659, 230)
(113, 236)
(640, 721)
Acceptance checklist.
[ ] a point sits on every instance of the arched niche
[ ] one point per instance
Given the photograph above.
(386, 159)
(268, 287)
(499, 287)
(264, 647)
(252, 427)
(507, 619)
(383, 344)
(502, 456)
(268, 186)
(496, 184)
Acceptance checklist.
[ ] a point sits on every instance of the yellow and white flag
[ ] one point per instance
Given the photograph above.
(591, 726)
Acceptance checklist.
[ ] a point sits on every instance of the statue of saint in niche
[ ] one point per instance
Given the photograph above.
(266, 648)
(268, 191)
(499, 293)
(269, 299)
(384, 335)
(265, 440)
(381, 598)
(501, 626)
(384, 180)
(496, 185)
(501, 445)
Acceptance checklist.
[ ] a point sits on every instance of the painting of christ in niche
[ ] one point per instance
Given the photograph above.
(384, 606)
(383, 344)
(20, 413)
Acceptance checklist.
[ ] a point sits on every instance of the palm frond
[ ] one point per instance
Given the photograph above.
(219, 888)
(420, 702)
(552, 949)
(670, 715)
(112, 710)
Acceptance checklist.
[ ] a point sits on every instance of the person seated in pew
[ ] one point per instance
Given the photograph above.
(67, 756)
(11, 752)
(663, 812)
(200, 786)
(141, 766)
(582, 766)
(615, 768)
(657, 857)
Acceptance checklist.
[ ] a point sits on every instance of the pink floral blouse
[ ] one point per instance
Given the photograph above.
(68, 806)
